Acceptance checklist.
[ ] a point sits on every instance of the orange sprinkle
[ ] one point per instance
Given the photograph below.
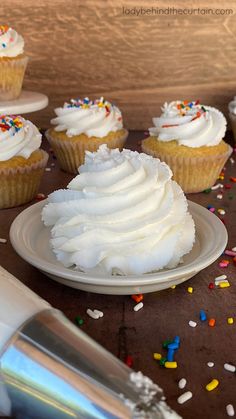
(212, 322)
(137, 297)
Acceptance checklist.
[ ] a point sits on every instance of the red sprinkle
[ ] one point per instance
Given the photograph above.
(211, 286)
(233, 179)
(129, 361)
(227, 186)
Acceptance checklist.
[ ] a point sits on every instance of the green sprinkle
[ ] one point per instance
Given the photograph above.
(162, 361)
(207, 190)
(79, 321)
(166, 343)
(231, 197)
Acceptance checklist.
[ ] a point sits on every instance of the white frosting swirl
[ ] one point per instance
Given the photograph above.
(121, 214)
(11, 43)
(232, 106)
(18, 137)
(93, 118)
(192, 124)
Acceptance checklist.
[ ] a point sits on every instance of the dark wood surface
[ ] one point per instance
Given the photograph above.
(164, 315)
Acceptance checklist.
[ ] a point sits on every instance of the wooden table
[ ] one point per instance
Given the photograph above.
(165, 314)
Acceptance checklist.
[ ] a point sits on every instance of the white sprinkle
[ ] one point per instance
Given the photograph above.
(138, 306)
(92, 314)
(3, 240)
(229, 367)
(231, 160)
(221, 211)
(48, 169)
(210, 364)
(185, 397)
(182, 383)
(230, 410)
(217, 186)
(221, 185)
(98, 312)
(219, 196)
(234, 249)
(219, 278)
(192, 323)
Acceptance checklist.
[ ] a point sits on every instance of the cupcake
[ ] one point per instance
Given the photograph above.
(121, 215)
(232, 115)
(13, 63)
(22, 163)
(84, 125)
(189, 138)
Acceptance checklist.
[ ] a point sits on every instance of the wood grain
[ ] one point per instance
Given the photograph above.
(91, 47)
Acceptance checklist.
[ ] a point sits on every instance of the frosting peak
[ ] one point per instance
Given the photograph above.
(190, 124)
(122, 214)
(11, 43)
(18, 137)
(84, 116)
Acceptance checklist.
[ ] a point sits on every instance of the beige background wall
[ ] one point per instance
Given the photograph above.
(89, 47)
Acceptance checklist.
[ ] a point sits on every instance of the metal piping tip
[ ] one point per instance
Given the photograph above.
(53, 370)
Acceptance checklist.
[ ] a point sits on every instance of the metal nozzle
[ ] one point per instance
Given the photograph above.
(53, 370)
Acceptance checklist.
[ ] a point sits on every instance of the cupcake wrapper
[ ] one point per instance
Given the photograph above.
(70, 155)
(11, 77)
(194, 174)
(233, 124)
(20, 185)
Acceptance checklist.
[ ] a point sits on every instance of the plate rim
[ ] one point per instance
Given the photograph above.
(128, 280)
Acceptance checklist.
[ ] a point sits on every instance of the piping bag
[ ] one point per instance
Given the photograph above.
(50, 369)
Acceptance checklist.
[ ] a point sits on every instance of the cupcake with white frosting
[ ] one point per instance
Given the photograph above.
(13, 62)
(121, 215)
(232, 115)
(82, 125)
(22, 162)
(189, 138)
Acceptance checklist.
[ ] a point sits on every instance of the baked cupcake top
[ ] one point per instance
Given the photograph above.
(11, 43)
(122, 214)
(18, 137)
(83, 116)
(190, 124)
(232, 106)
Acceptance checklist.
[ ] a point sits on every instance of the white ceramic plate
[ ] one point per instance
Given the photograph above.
(30, 239)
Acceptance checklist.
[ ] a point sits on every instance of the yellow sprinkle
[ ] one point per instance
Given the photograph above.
(157, 356)
(221, 177)
(230, 320)
(212, 385)
(224, 284)
(190, 290)
(169, 364)
(173, 287)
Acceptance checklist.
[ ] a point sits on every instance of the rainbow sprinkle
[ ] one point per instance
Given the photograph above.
(3, 29)
(185, 106)
(10, 122)
(188, 108)
(86, 103)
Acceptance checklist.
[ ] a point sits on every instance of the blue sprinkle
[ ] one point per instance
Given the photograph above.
(173, 346)
(4, 45)
(203, 316)
(177, 339)
(170, 355)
